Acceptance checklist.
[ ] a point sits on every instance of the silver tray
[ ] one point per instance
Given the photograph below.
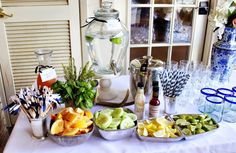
(194, 136)
(161, 139)
(116, 134)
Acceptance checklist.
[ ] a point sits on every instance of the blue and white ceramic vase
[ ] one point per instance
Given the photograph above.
(223, 56)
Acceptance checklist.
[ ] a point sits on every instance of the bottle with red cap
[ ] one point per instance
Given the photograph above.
(154, 102)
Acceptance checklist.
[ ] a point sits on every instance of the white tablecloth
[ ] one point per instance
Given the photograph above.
(221, 141)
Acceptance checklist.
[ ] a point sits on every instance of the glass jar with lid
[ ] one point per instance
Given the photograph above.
(107, 41)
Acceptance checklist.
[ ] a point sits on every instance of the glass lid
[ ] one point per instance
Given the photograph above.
(106, 11)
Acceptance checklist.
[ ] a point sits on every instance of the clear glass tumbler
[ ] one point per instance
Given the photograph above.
(200, 103)
(38, 127)
(171, 65)
(234, 90)
(229, 113)
(214, 107)
(224, 92)
(170, 103)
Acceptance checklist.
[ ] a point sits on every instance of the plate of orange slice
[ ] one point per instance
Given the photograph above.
(70, 126)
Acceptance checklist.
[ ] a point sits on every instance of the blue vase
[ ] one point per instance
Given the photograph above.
(223, 56)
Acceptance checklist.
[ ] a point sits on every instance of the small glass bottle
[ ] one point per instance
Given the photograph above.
(139, 102)
(154, 102)
(46, 73)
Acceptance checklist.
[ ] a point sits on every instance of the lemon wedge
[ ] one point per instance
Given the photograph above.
(57, 127)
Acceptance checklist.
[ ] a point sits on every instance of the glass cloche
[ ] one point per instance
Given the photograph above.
(107, 41)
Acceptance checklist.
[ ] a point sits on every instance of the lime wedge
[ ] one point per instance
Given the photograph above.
(186, 131)
(116, 40)
(89, 38)
(182, 122)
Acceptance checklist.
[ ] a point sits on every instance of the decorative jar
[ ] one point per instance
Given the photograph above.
(223, 56)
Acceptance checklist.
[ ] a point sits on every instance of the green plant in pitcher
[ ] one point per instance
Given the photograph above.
(78, 90)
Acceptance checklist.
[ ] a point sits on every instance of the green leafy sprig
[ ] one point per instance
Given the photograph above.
(77, 90)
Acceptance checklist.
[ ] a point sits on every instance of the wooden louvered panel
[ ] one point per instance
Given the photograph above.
(25, 37)
(11, 3)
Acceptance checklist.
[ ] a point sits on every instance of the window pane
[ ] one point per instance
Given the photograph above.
(163, 1)
(137, 52)
(183, 25)
(185, 1)
(161, 25)
(140, 1)
(180, 53)
(139, 25)
(160, 53)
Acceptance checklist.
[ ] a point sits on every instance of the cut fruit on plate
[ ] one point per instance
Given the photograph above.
(132, 116)
(80, 123)
(103, 121)
(57, 127)
(126, 123)
(115, 119)
(106, 111)
(117, 113)
(70, 132)
(88, 114)
(115, 123)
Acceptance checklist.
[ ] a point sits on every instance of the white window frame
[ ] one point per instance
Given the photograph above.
(196, 47)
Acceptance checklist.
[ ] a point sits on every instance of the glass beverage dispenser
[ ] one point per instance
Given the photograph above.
(107, 42)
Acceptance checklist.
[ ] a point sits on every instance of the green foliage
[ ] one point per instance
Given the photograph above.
(231, 17)
(78, 89)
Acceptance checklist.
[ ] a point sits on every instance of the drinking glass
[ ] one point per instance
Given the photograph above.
(38, 127)
(184, 64)
(224, 92)
(200, 102)
(172, 65)
(214, 107)
(169, 106)
(229, 113)
(234, 90)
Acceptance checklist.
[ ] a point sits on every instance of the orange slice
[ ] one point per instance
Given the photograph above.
(66, 110)
(71, 117)
(57, 127)
(79, 111)
(80, 123)
(70, 132)
(88, 114)
(67, 124)
(59, 116)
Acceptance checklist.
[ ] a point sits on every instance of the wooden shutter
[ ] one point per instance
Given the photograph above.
(6, 3)
(25, 37)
